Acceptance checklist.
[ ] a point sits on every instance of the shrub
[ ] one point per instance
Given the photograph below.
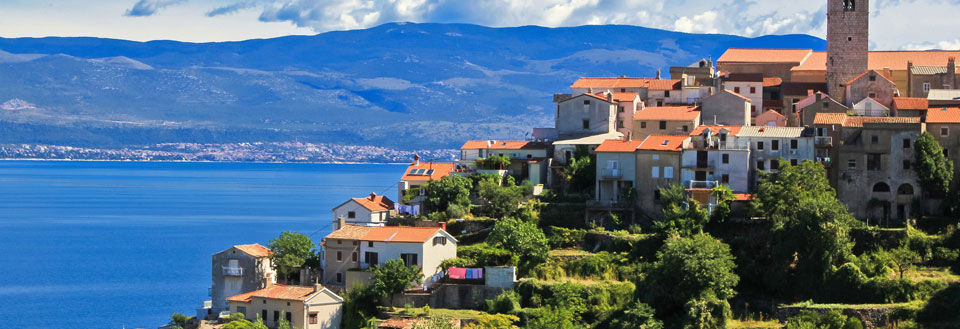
(941, 309)
(506, 303)
(601, 298)
(565, 237)
(456, 211)
(483, 254)
(637, 316)
(829, 320)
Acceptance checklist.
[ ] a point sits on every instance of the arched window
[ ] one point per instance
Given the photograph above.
(849, 5)
(881, 187)
(905, 189)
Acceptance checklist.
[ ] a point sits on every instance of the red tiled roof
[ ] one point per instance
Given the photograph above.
(616, 145)
(859, 121)
(772, 82)
(624, 97)
(276, 291)
(943, 115)
(663, 143)
(624, 82)
(734, 130)
(830, 118)
(878, 60)
(349, 232)
(769, 113)
(503, 145)
(910, 103)
(668, 113)
(664, 84)
(379, 203)
(440, 170)
(865, 73)
(400, 234)
(743, 55)
(255, 250)
(817, 61)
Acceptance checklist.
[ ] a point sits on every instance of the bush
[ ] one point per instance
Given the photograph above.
(600, 299)
(830, 320)
(565, 237)
(942, 309)
(506, 303)
(482, 254)
(637, 316)
(457, 211)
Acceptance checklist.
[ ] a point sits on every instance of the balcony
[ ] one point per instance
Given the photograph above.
(823, 141)
(700, 165)
(611, 173)
(696, 184)
(232, 271)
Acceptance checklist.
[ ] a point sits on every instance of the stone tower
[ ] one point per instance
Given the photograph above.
(848, 23)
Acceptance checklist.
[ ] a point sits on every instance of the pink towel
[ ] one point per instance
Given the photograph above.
(457, 273)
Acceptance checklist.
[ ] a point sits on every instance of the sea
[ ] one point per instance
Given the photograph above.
(125, 244)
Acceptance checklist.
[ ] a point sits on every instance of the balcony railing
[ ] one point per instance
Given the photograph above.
(611, 173)
(702, 184)
(232, 271)
(824, 141)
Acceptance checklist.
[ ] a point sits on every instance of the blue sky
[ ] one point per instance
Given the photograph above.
(895, 24)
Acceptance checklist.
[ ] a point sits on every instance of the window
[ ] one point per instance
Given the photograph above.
(371, 258)
(874, 139)
(339, 279)
(409, 259)
(440, 240)
(351, 214)
(667, 172)
(753, 108)
(873, 161)
(339, 256)
(760, 165)
(793, 162)
(871, 95)
(774, 164)
(685, 128)
(656, 195)
(725, 179)
(759, 145)
(621, 109)
(725, 158)
(851, 163)
(753, 90)
(906, 143)
(276, 316)
(619, 124)
(643, 124)
(263, 313)
(881, 187)
(944, 131)
(873, 77)
(313, 318)
(663, 125)
(288, 316)
(586, 124)
(736, 89)
(793, 144)
(655, 172)
(906, 164)
(946, 152)
(666, 93)
(586, 102)
(354, 256)
(926, 86)
(370, 244)
(659, 102)
(775, 145)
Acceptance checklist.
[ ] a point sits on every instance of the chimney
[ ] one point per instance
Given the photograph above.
(373, 196)
(416, 160)
(442, 225)
(341, 222)
(809, 92)
(609, 96)
(952, 72)
(658, 74)
(317, 287)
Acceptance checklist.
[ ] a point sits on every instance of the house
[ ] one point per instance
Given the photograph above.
(944, 124)
(658, 166)
(870, 107)
(726, 108)
(627, 105)
(943, 97)
(923, 78)
(307, 307)
(793, 93)
(749, 85)
(771, 118)
(586, 114)
(873, 170)
(358, 247)
(616, 171)
(909, 106)
(772, 95)
(701, 71)
(816, 104)
(665, 120)
(714, 157)
(770, 145)
(652, 91)
(527, 158)
(870, 84)
(373, 210)
(420, 173)
(237, 270)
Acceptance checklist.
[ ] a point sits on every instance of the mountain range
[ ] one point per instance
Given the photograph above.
(401, 85)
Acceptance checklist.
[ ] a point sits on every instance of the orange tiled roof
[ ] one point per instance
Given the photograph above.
(734, 130)
(440, 170)
(655, 84)
(277, 291)
(817, 61)
(943, 115)
(255, 250)
(743, 55)
(910, 103)
(770, 112)
(502, 145)
(616, 145)
(878, 60)
(830, 118)
(663, 143)
(668, 113)
(378, 203)
(349, 232)
(865, 73)
(859, 121)
(624, 97)
(400, 234)
(772, 82)
(624, 82)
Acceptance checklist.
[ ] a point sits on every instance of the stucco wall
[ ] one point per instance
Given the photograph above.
(647, 186)
(644, 128)
(625, 162)
(725, 109)
(601, 116)
(256, 274)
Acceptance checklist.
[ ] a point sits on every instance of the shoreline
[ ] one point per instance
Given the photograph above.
(203, 161)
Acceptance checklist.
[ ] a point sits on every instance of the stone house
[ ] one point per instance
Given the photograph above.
(771, 118)
(701, 71)
(586, 114)
(749, 85)
(923, 78)
(944, 124)
(819, 103)
(909, 106)
(666, 120)
(658, 166)
(870, 84)
(307, 307)
(726, 108)
(373, 210)
(237, 270)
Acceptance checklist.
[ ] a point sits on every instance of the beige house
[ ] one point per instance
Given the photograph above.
(586, 114)
(658, 165)
(527, 158)
(373, 210)
(358, 247)
(306, 307)
(749, 85)
(627, 105)
(909, 106)
(771, 118)
(923, 78)
(616, 171)
(419, 174)
(665, 120)
(727, 108)
(237, 270)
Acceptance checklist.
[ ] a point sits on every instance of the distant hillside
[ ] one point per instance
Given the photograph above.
(402, 86)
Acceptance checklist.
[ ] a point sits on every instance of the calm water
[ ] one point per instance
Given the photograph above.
(112, 245)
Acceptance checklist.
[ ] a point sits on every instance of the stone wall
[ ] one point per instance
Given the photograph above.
(876, 317)
(449, 296)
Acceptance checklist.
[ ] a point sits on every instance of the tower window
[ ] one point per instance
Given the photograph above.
(849, 5)
(849, 38)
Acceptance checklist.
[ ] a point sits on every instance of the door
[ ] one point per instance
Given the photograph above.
(701, 176)
(702, 159)
(372, 258)
(902, 211)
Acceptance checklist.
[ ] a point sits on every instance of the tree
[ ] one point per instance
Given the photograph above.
(551, 317)
(290, 251)
(724, 195)
(581, 172)
(501, 201)
(524, 239)
(934, 170)
(394, 277)
(689, 269)
(809, 225)
(359, 305)
(903, 258)
(447, 191)
(179, 320)
(496, 162)
(682, 214)
(637, 316)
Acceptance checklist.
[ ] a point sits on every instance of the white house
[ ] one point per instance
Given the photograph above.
(586, 114)
(713, 157)
(373, 210)
(616, 169)
(526, 157)
(749, 85)
(419, 173)
(869, 107)
(307, 307)
(768, 145)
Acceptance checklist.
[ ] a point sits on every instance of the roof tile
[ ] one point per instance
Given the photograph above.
(616, 145)
(255, 250)
(277, 291)
(663, 142)
(910, 103)
(943, 115)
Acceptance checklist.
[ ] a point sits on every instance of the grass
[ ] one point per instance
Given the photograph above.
(855, 306)
(918, 274)
(424, 311)
(753, 324)
(570, 252)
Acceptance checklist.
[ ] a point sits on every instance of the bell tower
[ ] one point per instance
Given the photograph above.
(848, 25)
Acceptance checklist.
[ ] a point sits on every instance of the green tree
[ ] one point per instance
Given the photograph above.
(682, 214)
(394, 277)
(501, 201)
(829, 320)
(447, 191)
(290, 251)
(637, 316)
(690, 269)
(551, 317)
(581, 172)
(934, 170)
(179, 319)
(496, 162)
(810, 228)
(524, 239)
(707, 312)
(903, 258)
(724, 195)
(359, 305)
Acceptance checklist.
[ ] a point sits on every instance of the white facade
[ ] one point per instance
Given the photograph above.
(748, 89)
(771, 145)
(870, 107)
(736, 169)
(352, 212)
(428, 254)
(326, 307)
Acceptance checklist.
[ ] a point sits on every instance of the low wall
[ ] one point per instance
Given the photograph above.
(874, 317)
(449, 296)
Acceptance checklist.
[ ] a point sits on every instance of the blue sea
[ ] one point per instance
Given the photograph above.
(125, 244)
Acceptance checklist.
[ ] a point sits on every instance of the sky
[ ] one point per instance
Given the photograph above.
(894, 24)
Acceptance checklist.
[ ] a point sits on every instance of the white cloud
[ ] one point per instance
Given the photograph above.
(941, 45)
(150, 7)
(702, 23)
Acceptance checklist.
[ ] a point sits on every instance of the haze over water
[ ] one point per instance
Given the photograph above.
(121, 244)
